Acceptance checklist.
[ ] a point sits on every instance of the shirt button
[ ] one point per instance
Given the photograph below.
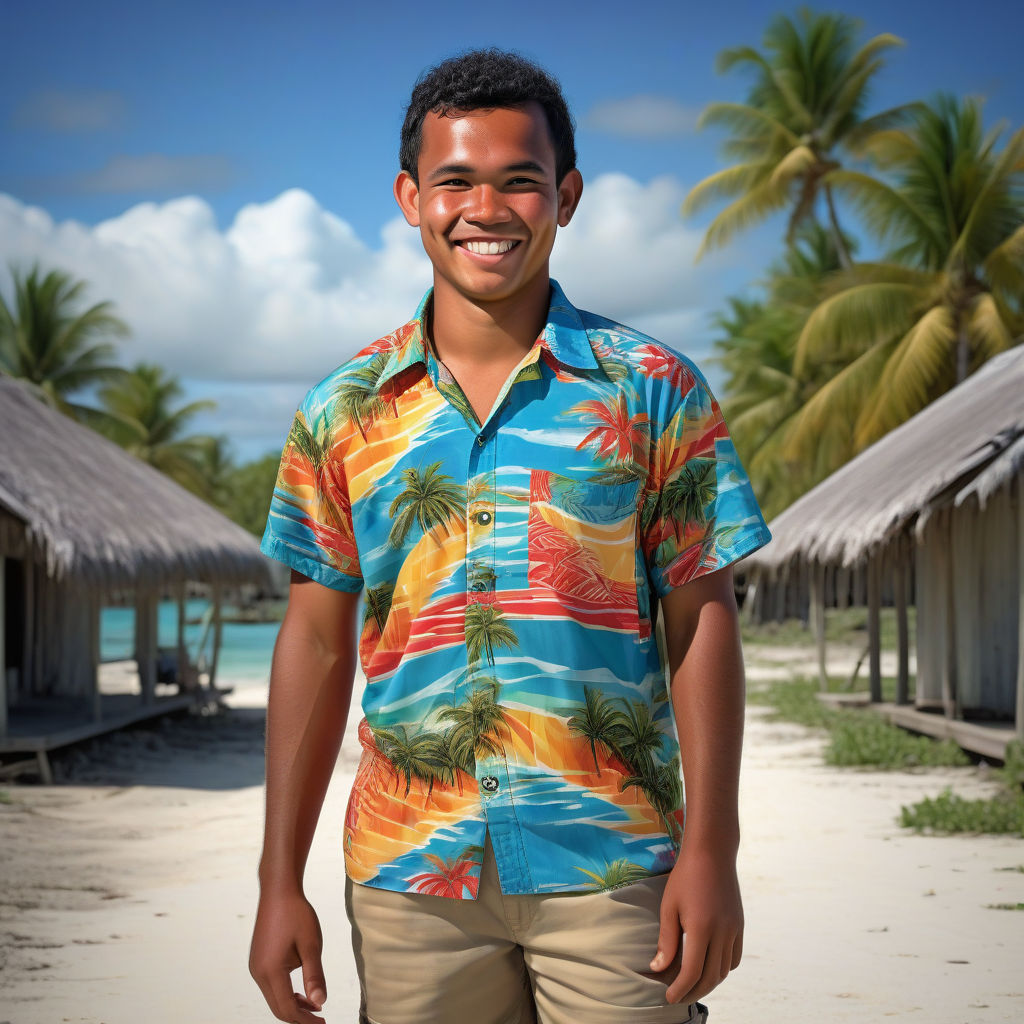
(483, 518)
(489, 784)
(481, 440)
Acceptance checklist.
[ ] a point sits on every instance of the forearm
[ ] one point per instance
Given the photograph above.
(310, 691)
(707, 685)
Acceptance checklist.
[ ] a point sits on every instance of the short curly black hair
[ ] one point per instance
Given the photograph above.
(486, 79)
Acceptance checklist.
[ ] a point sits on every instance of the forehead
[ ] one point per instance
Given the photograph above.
(490, 136)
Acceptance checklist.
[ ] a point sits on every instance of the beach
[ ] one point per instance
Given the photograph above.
(128, 889)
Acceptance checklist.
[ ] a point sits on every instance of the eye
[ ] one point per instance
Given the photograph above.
(453, 183)
(521, 180)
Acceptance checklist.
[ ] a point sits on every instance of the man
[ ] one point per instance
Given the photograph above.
(520, 489)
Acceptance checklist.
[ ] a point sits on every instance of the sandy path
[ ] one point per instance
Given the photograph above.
(125, 901)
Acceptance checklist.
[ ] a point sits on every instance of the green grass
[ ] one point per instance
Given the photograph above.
(856, 738)
(1002, 814)
(844, 626)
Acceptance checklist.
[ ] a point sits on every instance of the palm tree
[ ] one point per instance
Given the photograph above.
(59, 348)
(409, 755)
(616, 873)
(378, 604)
(952, 294)
(623, 437)
(756, 348)
(146, 421)
(663, 788)
(451, 875)
(478, 725)
(684, 498)
(806, 103)
(638, 735)
(356, 394)
(429, 499)
(597, 721)
(486, 629)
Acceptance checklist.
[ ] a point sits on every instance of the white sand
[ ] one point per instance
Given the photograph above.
(130, 898)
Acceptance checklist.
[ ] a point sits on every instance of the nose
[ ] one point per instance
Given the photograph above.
(487, 205)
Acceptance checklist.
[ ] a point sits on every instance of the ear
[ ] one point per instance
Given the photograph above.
(569, 192)
(407, 193)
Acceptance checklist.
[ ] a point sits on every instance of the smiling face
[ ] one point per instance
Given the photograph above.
(487, 203)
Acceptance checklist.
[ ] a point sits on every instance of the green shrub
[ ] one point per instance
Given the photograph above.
(858, 739)
(948, 812)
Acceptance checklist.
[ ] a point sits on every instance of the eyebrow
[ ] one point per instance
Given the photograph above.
(447, 170)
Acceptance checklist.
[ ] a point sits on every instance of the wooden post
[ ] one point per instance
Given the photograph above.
(817, 612)
(145, 644)
(184, 669)
(3, 650)
(873, 570)
(1020, 607)
(949, 669)
(28, 652)
(218, 631)
(900, 579)
(95, 604)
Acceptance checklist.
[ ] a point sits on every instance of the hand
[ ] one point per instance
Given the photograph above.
(702, 901)
(287, 935)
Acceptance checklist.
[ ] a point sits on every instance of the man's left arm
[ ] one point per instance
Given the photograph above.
(702, 896)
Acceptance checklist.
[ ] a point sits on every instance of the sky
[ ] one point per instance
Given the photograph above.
(222, 172)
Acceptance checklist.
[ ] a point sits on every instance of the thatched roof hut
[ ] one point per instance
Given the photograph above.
(80, 519)
(933, 508)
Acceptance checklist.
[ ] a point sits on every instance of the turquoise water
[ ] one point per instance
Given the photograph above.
(245, 651)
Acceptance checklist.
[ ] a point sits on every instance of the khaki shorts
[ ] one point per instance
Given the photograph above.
(564, 958)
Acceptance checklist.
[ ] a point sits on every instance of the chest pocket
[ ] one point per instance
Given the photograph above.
(582, 544)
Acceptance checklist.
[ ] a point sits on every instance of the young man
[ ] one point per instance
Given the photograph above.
(520, 490)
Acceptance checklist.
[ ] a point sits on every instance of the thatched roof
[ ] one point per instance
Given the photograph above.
(971, 435)
(94, 513)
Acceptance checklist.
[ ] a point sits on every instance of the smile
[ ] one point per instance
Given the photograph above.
(489, 248)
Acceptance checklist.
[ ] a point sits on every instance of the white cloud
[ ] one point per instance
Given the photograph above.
(83, 110)
(160, 173)
(642, 117)
(289, 291)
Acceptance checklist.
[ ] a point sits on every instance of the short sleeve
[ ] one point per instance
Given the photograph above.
(699, 511)
(309, 526)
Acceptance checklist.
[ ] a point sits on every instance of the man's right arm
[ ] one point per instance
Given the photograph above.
(310, 690)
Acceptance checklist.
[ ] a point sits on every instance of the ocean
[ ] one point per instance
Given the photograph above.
(246, 647)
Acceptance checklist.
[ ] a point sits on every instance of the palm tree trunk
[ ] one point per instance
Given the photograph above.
(837, 235)
(963, 351)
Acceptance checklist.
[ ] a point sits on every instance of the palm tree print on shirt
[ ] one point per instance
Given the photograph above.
(450, 875)
(487, 628)
(429, 499)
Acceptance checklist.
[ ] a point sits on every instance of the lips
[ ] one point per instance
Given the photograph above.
(488, 248)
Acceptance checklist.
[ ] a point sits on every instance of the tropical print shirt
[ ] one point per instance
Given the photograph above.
(510, 572)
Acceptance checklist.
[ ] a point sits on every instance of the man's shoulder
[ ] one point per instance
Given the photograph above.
(646, 358)
(361, 372)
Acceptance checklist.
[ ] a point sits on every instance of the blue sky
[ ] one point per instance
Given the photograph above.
(223, 171)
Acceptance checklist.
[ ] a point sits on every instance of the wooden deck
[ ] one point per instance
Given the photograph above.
(989, 739)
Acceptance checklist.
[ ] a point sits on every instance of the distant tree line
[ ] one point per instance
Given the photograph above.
(834, 352)
(62, 350)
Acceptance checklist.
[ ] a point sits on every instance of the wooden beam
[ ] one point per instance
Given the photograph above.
(901, 573)
(95, 614)
(874, 587)
(949, 671)
(145, 644)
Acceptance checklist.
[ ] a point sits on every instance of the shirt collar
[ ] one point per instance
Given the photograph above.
(563, 335)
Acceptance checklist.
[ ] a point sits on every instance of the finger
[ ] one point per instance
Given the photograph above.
(313, 976)
(737, 950)
(711, 974)
(668, 937)
(695, 948)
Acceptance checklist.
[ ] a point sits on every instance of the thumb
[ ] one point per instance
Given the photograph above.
(668, 937)
(313, 981)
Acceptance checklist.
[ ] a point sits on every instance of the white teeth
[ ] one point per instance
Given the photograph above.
(489, 248)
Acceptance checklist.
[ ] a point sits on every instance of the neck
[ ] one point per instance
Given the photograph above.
(465, 331)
